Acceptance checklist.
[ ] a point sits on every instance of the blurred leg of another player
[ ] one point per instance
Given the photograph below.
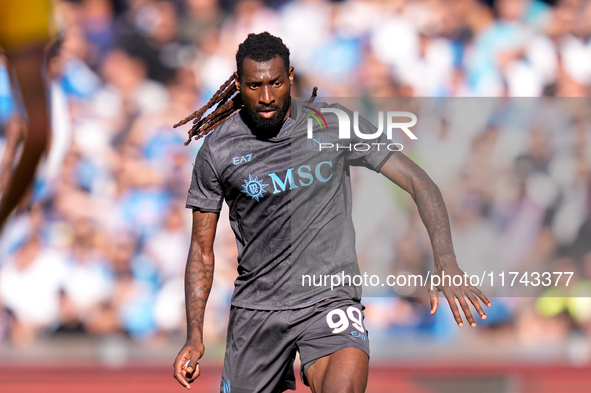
(24, 33)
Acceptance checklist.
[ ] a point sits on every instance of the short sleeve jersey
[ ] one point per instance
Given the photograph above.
(289, 200)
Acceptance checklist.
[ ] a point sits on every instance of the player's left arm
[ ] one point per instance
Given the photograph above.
(413, 179)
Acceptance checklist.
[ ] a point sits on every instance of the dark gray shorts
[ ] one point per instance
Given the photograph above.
(261, 345)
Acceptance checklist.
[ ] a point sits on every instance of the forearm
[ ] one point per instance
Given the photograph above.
(414, 180)
(433, 212)
(199, 272)
(198, 281)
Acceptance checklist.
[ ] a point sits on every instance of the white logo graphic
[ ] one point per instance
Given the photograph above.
(254, 188)
(345, 124)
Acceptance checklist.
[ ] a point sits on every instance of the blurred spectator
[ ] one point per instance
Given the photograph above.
(148, 31)
(201, 19)
(166, 247)
(134, 289)
(30, 283)
(89, 281)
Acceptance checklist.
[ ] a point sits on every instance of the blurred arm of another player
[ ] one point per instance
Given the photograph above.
(410, 177)
(198, 280)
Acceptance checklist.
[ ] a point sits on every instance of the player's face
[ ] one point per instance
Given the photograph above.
(265, 88)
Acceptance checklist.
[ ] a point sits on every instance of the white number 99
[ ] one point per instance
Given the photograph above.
(355, 316)
(341, 324)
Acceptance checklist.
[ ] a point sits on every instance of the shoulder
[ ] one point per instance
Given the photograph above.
(318, 105)
(221, 141)
(231, 127)
(313, 105)
(306, 109)
(222, 133)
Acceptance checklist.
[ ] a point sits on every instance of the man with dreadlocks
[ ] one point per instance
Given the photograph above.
(290, 209)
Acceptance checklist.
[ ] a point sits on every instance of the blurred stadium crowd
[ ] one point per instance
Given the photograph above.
(101, 243)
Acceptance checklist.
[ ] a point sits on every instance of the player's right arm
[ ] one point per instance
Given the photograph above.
(198, 280)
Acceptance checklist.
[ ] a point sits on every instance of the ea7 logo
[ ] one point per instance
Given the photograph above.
(241, 159)
(345, 123)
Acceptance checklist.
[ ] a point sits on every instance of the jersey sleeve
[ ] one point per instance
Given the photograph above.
(205, 193)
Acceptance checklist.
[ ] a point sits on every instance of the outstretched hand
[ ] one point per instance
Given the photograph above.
(456, 294)
(186, 365)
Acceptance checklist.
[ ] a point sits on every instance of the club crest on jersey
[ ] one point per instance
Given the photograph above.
(254, 188)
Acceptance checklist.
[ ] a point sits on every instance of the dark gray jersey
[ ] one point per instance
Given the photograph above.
(289, 201)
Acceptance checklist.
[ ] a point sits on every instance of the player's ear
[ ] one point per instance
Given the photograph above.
(291, 75)
(236, 80)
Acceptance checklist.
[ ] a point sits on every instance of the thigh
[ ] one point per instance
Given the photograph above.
(343, 371)
(335, 344)
(259, 353)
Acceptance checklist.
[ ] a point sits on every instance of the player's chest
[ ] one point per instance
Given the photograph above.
(261, 169)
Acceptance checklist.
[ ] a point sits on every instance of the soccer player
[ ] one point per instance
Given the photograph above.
(290, 209)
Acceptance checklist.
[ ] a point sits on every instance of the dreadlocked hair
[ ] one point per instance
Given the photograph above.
(226, 102)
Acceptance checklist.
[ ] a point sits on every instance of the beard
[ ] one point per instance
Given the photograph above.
(265, 128)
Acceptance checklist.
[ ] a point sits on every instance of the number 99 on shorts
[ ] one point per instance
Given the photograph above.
(339, 320)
